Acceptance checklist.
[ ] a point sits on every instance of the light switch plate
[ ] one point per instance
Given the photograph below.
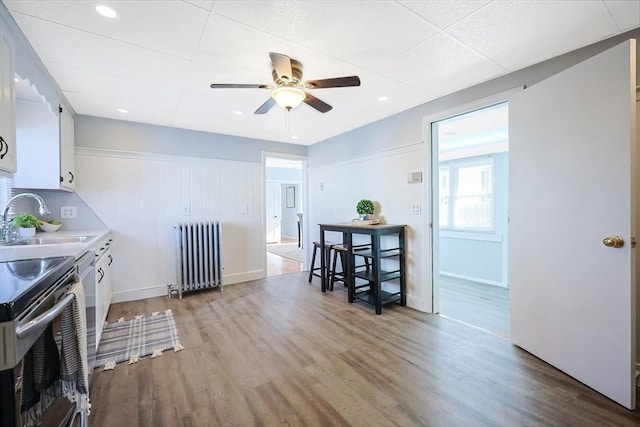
(414, 177)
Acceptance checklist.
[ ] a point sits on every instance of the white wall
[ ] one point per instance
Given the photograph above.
(381, 177)
(141, 196)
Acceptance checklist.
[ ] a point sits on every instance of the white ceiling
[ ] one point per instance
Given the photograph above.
(157, 59)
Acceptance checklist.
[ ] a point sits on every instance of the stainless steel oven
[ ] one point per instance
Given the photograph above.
(85, 266)
(32, 296)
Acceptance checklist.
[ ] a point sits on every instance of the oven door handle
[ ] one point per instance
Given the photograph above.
(27, 328)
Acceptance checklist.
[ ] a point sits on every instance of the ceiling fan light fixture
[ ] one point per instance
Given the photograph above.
(288, 97)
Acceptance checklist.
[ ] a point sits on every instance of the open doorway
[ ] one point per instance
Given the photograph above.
(470, 155)
(284, 215)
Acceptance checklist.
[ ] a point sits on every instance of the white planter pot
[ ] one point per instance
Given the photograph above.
(27, 232)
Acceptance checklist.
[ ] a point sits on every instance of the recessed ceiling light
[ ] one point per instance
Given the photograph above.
(122, 110)
(106, 11)
(237, 113)
(383, 98)
(294, 137)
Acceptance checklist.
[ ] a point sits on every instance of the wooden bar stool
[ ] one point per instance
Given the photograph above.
(313, 269)
(341, 276)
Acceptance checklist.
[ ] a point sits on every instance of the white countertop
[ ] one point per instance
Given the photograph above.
(12, 253)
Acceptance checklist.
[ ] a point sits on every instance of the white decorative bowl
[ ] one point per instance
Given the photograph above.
(45, 226)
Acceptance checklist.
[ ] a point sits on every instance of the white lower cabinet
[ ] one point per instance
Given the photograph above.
(104, 285)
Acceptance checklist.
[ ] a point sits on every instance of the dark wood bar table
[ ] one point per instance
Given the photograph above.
(376, 296)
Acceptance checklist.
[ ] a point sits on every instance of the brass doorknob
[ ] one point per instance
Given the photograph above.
(613, 241)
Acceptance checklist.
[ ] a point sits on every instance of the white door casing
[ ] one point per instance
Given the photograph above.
(572, 183)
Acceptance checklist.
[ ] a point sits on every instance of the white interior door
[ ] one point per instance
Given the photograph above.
(273, 208)
(572, 178)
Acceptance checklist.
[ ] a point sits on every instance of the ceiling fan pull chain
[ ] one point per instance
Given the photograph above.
(287, 121)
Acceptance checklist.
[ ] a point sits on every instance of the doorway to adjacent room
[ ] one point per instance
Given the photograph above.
(284, 215)
(470, 163)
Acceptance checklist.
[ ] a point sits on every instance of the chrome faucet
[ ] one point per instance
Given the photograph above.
(5, 229)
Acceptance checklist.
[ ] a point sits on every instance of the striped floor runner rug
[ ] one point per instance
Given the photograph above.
(130, 340)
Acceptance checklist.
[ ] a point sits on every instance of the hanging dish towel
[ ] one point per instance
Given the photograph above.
(74, 369)
(40, 375)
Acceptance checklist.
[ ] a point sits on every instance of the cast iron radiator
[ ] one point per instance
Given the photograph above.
(199, 258)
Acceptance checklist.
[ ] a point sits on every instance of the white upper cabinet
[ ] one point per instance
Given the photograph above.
(8, 157)
(45, 146)
(67, 150)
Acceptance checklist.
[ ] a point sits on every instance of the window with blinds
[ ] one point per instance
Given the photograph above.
(6, 192)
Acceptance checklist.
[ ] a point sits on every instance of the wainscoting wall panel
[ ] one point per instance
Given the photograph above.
(141, 196)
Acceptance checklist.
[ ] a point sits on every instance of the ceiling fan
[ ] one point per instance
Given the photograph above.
(288, 90)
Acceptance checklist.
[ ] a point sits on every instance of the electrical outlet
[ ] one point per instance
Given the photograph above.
(69, 212)
(321, 186)
(416, 209)
(186, 211)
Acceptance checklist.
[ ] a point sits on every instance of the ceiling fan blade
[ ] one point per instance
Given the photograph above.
(266, 106)
(238, 86)
(321, 106)
(282, 64)
(335, 82)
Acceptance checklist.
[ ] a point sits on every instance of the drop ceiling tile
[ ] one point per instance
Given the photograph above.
(442, 65)
(62, 45)
(171, 27)
(359, 32)
(399, 49)
(91, 83)
(139, 110)
(444, 13)
(516, 34)
(203, 4)
(625, 13)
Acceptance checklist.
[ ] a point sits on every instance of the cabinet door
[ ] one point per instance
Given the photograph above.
(107, 283)
(101, 315)
(7, 105)
(67, 150)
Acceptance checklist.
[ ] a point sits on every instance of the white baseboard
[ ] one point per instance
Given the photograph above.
(246, 276)
(137, 294)
(161, 290)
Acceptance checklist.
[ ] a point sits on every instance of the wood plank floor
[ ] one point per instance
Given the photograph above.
(277, 265)
(477, 304)
(279, 352)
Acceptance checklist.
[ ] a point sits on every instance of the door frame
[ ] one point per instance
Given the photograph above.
(431, 161)
(304, 202)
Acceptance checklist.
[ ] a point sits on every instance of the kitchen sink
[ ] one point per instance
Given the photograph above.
(50, 240)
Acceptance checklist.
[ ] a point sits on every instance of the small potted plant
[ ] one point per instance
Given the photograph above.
(364, 209)
(27, 224)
